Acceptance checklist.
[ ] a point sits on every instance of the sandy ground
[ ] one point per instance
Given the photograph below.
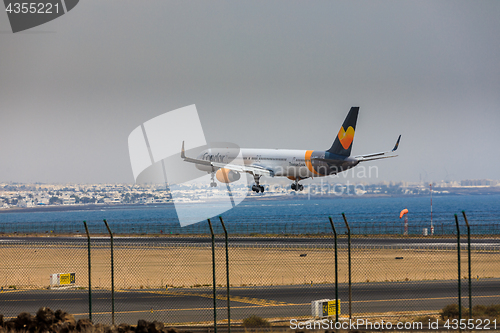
(31, 267)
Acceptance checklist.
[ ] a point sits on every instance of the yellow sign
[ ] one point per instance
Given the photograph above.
(68, 278)
(330, 307)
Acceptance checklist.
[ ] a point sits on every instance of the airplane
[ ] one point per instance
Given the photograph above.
(296, 165)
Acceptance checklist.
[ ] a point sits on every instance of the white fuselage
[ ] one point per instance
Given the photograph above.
(283, 162)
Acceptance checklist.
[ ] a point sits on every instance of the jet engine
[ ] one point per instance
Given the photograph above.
(227, 176)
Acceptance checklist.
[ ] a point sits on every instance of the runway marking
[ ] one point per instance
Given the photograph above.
(63, 299)
(261, 306)
(186, 309)
(240, 299)
(256, 301)
(264, 302)
(419, 299)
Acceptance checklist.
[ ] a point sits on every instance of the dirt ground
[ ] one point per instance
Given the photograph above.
(31, 267)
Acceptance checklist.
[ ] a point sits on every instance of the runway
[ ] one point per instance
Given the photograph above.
(187, 305)
(403, 242)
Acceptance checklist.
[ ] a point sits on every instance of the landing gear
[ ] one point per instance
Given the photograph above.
(213, 183)
(257, 187)
(296, 186)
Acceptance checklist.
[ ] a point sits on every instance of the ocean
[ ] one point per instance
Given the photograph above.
(301, 215)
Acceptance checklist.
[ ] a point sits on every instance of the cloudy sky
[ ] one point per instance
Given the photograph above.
(263, 74)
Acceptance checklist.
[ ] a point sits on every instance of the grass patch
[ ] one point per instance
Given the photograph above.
(491, 312)
(255, 321)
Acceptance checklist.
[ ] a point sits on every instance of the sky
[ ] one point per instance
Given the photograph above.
(263, 74)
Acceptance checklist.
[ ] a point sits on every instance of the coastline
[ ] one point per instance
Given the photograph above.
(288, 196)
(91, 207)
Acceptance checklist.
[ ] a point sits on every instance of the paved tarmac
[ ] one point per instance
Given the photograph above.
(183, 305)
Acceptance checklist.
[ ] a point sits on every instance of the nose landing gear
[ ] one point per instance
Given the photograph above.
(213, 183)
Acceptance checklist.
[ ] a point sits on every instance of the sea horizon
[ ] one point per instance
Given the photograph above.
(299, 212)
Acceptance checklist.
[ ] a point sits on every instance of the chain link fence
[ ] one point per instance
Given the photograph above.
(162, 272)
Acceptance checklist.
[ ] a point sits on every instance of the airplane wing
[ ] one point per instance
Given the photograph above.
(378, 156)
(253, 169)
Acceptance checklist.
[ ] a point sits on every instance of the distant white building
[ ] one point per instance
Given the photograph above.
(478, 182)
(144, 200)
(69, 201)
(22, 204)
(42, 199)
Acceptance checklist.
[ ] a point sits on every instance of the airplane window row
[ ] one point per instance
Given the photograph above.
(212, 157)
(267, 158)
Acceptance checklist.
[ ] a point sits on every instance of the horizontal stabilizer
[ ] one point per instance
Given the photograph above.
(376, 158)
(379, 156)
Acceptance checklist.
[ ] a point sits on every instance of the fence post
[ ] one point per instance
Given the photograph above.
(469, 259)
(227, 278)
(89, 271)
(459, 271)
(213, 275)
(336, 274)
(349, 263)
(112, 276)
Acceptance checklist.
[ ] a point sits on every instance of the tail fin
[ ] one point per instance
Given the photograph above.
(343, 142)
